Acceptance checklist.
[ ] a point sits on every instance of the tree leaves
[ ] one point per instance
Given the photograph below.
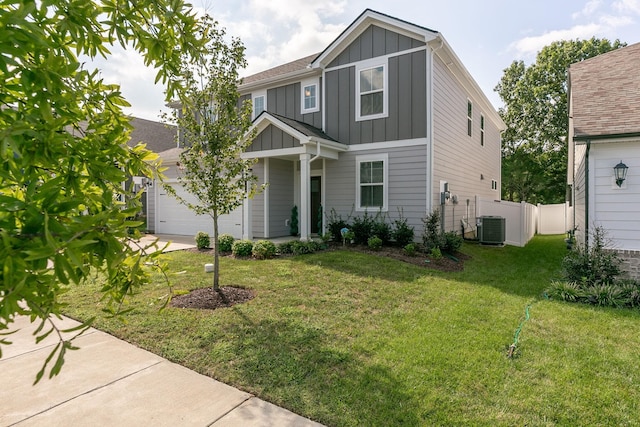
(534, 152)
(64, 214)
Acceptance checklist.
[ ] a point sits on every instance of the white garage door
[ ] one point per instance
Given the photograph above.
(175, 218)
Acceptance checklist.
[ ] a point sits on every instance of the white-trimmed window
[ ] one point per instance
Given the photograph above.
(259, 100)
(372, 182)
(482, 130)
(309, 97)
(371, 91)
(469, 117)
(494, 184)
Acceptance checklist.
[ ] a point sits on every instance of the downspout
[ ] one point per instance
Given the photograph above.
(586, 196)
(317, 153)
(430, 133)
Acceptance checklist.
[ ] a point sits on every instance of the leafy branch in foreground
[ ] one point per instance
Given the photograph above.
(64, 214)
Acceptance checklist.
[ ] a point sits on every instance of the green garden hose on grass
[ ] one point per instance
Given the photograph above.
(516, 336)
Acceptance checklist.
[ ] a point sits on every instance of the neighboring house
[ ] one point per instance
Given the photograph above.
(604, 130)
(158, 137)
(385, 119)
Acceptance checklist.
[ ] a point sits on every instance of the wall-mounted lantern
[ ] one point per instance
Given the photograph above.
(620, 173)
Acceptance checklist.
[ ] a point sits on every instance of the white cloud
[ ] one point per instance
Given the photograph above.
(626, 6)
(529, 46)
(589, 9)
(279, 31)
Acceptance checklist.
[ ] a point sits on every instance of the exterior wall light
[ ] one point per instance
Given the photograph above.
(620, 173)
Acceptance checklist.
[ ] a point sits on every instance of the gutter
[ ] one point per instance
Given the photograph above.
(588, 138)
(586, 196)
(430, 131)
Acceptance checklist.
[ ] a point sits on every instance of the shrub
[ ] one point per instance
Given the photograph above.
(566, 291)
(605, 295)
(225, 242)
(381, 228)
(263, 249)
(436, 253)
(242, 248)
(202, 240)
(410, 249)
(300, 248)
(285, 248)
(293, 225)
(362, 228)
(593, 265)
(374, 243)
(451, 242)
(335, 223)
(432, 235)
(402, 233)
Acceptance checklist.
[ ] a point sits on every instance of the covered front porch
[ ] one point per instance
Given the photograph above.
(291, 162)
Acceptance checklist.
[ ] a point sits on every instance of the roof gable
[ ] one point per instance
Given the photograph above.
(361, 25)
(605, 93)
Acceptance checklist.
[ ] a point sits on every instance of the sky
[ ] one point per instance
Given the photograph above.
(486, 35)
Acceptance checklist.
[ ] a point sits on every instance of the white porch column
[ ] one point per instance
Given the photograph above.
(247, 228)
(305, 201)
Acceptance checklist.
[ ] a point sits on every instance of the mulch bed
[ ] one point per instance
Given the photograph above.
(227, 296)
(209, 299)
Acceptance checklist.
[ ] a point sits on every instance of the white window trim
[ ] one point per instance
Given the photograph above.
(306, 83)
(385, 185)
(483, 122)
(366, 65)
(258, 94)
(494, 185)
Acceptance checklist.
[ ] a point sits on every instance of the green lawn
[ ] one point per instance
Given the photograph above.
(349, 339)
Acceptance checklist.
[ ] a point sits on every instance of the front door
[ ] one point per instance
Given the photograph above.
(316, 205)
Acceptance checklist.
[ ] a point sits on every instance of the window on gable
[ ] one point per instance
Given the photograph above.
(469, 118)
(372, 185)
(309, 96)
(482, 130)
(258, 104)
(371, 96)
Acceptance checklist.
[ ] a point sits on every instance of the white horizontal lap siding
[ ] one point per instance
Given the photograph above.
(579, 192)
(280, 196)
(406, 186)
(615, 209)
(460, 160)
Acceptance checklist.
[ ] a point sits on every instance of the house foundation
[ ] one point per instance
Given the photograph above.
(630, 263)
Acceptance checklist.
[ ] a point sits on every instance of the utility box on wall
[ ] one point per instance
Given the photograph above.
(491, 230)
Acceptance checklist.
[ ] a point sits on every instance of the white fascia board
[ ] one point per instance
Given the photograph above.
(280, 152)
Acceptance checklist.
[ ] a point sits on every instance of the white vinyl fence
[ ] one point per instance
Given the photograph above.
(523, 220)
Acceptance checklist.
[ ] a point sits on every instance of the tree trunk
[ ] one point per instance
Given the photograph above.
(216, 254)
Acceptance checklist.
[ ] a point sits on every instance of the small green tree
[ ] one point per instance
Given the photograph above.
(214, 128)
(64, 216)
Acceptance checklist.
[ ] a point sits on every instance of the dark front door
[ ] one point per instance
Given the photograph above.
(316, 204)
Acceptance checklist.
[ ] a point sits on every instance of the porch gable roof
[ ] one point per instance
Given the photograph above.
(311, 139)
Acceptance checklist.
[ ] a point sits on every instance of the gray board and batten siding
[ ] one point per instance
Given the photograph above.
(407, 103)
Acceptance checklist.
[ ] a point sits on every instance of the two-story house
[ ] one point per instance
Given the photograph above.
(385, 119)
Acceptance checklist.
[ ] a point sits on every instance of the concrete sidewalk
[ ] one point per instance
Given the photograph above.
(109, 382)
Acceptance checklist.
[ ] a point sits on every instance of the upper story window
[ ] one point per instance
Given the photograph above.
(371, 91)
(469, 118)
(309, 96)
(372, 184)
(259, 103)
(482, 130)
